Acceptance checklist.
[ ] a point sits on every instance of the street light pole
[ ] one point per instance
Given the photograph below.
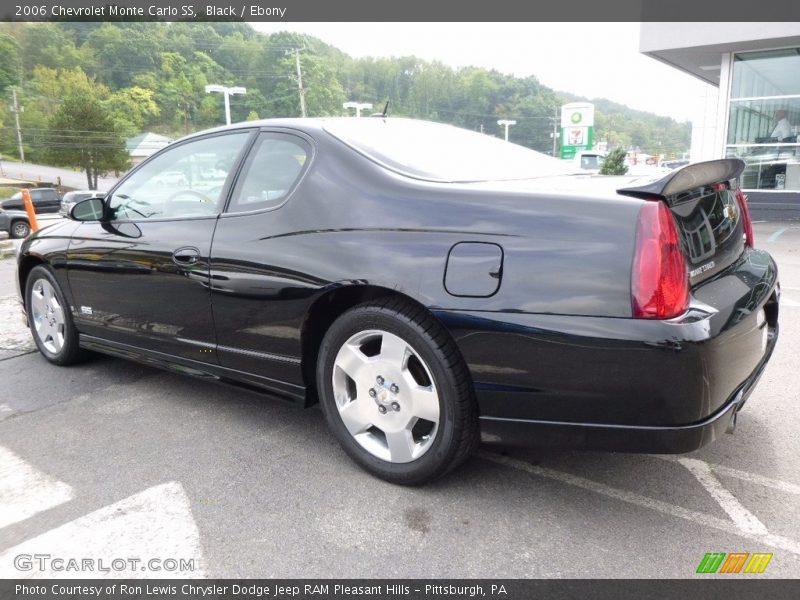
(226, 92)
(359, 106)
(506, 123)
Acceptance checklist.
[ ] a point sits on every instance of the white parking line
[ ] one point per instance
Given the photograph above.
(744, 519)
(788, 302)
(776, 484)
(25, 491)
(774, 237)
(666, 508)
(154, 524)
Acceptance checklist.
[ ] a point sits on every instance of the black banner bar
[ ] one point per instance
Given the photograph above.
(728, 588)
(407, 10)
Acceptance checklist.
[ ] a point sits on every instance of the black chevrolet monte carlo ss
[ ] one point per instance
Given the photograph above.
(425, 284)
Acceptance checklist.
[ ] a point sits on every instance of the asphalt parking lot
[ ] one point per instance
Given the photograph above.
(115, 460)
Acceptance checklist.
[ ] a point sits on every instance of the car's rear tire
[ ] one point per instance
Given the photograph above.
(19, 229)
(50, 318)
(396, 393)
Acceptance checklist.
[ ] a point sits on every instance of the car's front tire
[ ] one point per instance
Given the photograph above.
(396, 393)
(19, 229)
(50, 319)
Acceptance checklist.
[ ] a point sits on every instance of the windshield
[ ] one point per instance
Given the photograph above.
(437, 152)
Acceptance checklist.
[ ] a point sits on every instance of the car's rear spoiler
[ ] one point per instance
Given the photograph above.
(688, 178)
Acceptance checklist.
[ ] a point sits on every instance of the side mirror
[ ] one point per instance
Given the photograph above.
(90, 209)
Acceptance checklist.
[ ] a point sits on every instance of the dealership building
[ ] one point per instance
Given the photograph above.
(755, 115)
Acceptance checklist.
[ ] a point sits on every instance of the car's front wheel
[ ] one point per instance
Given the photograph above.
(396, 392)
(49, 318)
(20, 229)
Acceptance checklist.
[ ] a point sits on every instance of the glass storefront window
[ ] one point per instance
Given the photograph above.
(765, 118)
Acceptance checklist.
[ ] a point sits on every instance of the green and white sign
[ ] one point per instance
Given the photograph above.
(577, 128)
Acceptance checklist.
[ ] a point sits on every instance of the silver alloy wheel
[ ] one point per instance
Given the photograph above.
(386, 396)
(47, 316)
(20, 230)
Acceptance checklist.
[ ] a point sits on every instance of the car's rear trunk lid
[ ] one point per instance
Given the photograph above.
(709, 210)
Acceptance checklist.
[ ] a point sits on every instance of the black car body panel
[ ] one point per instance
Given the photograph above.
(534, 287)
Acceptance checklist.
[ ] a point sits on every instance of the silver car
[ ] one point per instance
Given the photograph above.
(72, 198)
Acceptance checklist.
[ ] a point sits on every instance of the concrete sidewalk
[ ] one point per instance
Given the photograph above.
(15, 338)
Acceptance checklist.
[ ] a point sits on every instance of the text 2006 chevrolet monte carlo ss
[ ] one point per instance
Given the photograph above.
(424, 283)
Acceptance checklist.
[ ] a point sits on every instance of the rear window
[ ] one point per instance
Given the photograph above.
(76, 196)
(591, 162)
(443, 153)
(43, 194)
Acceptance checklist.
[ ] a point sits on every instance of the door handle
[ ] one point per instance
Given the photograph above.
(185, 256)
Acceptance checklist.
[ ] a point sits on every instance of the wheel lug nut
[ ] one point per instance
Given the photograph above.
(372, 392)
(395, 406)
(382, 409)
(379, 380)
(394, 389)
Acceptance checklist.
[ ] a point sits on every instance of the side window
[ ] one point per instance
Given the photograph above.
(270, 172)
(184, 181)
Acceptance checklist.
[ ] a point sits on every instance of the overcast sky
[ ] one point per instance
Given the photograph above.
(596, 60)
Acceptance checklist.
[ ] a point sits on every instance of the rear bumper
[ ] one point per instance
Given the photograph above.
(624, 438)
(620, 383)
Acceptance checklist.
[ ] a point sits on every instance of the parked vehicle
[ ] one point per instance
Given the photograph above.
(590, 160)
(673, 164)
(15, 223)
(14, 219)
(425, 284)
(45, 200)
(70, 199)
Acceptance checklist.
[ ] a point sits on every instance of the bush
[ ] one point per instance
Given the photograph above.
(614, 164)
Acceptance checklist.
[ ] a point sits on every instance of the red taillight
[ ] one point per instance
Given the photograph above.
(659, 281)
(747, 222)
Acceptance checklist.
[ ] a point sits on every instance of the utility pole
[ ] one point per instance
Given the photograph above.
(300, 82)
(227, 92)
(506, 123)
(16, 109)
(359, 106)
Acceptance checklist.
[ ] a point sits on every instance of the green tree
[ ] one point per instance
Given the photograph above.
(132, 109)
(84, 137)
(50, 45)
(152, 75)
(614, 164)
(10, 65)
(120, 51)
